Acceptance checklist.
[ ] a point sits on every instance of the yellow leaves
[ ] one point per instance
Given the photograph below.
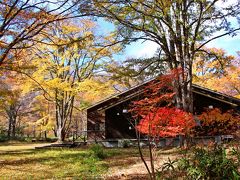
(45, 123)
(238, 96)
(68, 28)
(61, 69)
(92, 90)
(110, 38)
(165, 5)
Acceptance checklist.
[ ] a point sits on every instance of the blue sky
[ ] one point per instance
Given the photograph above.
(230, 44)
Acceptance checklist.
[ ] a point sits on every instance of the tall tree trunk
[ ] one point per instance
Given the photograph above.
(187, 97)
(183, 81)
(12, 113)
(60, 123)
(61, 134)
(64, 111)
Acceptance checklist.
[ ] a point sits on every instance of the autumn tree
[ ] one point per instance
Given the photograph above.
(181, 28)
(156, 117)
(68, 57)
(10, 106)
(215, 70)
(22, 20)
(166, 122)
(230, 83)
(155, 109)
(13, 102)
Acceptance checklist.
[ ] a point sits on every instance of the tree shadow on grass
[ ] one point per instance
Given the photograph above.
(16, 152)
(20, 162)
(31, 157)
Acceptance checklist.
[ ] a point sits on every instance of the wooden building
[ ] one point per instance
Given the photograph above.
(109, 119)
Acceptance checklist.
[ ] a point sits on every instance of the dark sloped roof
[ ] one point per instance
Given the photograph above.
(139, 89)
(216, 95)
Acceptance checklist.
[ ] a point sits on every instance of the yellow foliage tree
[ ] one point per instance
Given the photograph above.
(65, 62)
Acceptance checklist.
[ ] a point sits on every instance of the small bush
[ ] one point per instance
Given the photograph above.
(167, 171)
(97, 151)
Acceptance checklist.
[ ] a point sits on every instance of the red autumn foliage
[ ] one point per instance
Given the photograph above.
(157, 93)
(158, 116)
(166, 122)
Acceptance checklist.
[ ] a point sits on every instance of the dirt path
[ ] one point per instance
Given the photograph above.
(133, 168)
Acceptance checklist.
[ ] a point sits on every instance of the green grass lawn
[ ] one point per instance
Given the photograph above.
(22, 161)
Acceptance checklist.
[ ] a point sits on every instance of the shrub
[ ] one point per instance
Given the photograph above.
(3, 138)
(97, 151)
(210, 164)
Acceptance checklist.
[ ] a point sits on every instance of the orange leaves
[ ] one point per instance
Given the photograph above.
(217, 71)
(166, 122)
(230, 83)
(215, 122)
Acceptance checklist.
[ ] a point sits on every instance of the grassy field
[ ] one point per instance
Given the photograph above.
(22, 161)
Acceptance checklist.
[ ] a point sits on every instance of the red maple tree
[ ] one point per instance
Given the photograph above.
(158, 117)
(157, 114)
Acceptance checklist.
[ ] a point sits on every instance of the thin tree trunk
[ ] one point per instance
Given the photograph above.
(14, 131)
(151, 159)
(14, 127)
(140, 151)
(9, 128)
(45, 135)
